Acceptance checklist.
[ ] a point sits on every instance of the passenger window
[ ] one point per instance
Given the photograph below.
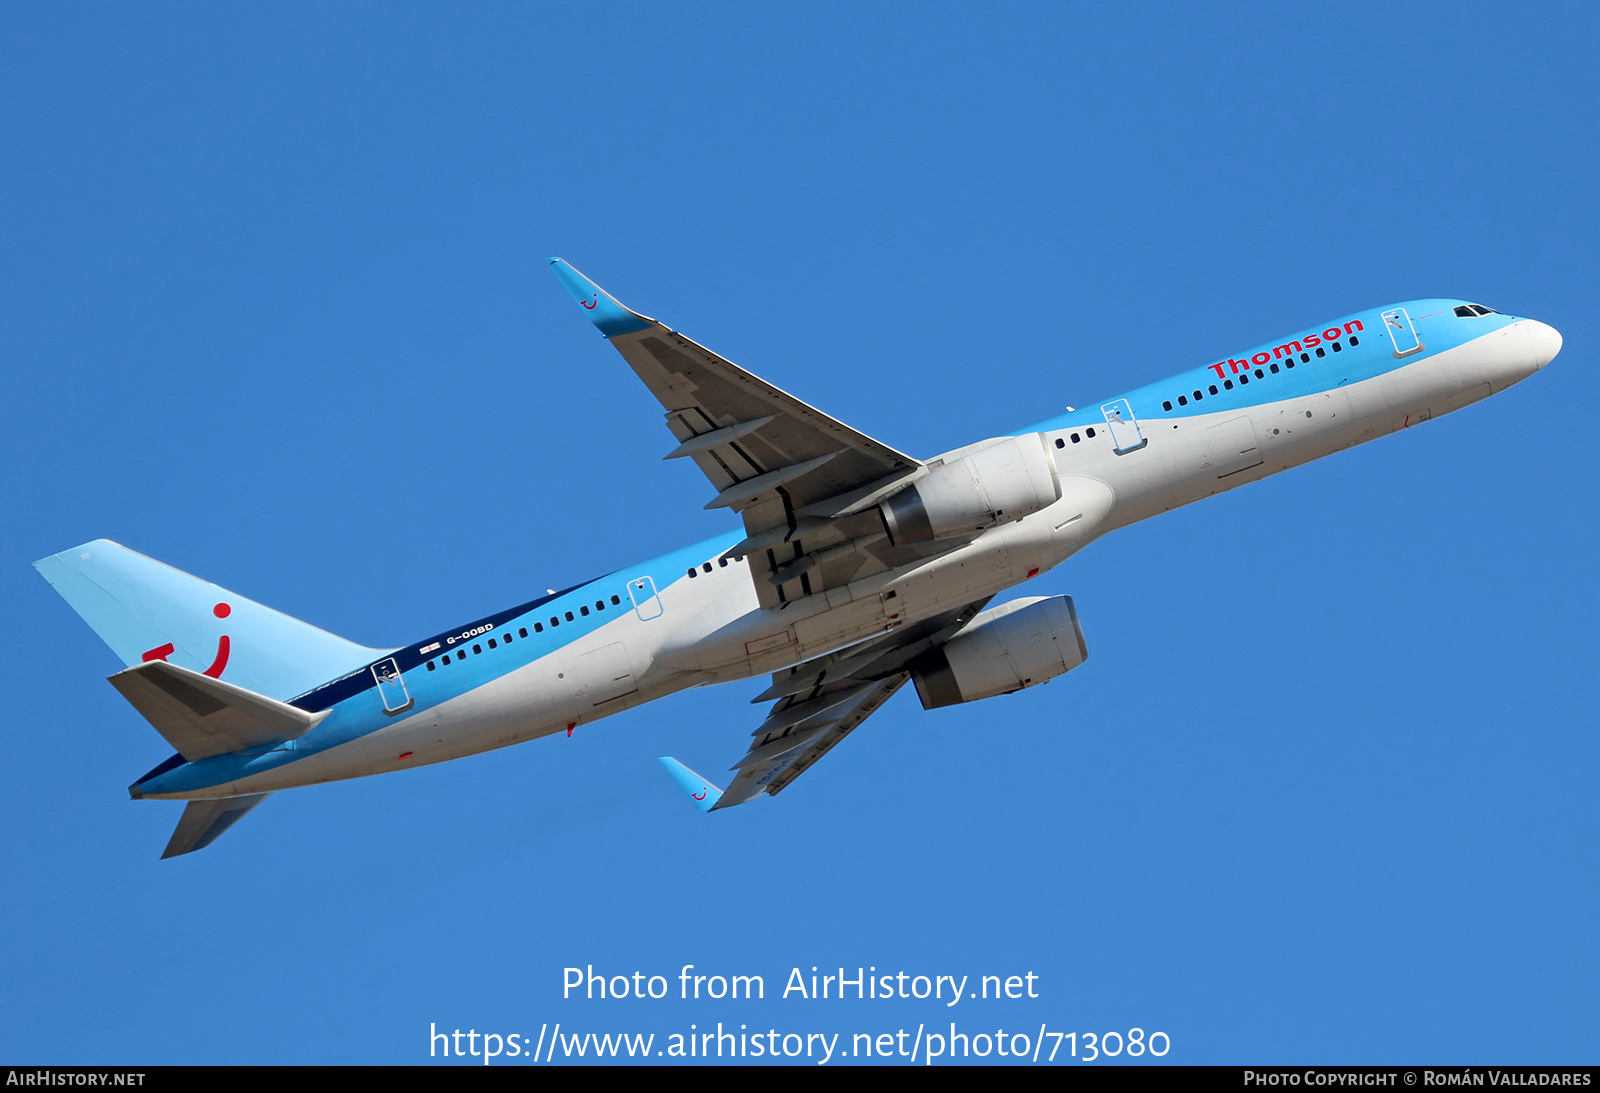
(693, 572)
(1212, 388)
(1198, 396)
(1182, 401)
(492, 645)
(722, 563)
(1337, 348)
(599, 605)
(1260, 375)
(554, 621)
(476, 649)
(1166, 405)
(584, 610)
(1321, 352)
(1354, 340)
(1060, 443)
(706, 567)
(538, 628)
(615, 601)
(461, 654)
(1228, 384)
(1089, 433)
(1305, 358)
(569, 615)
(507, 637)
(1076, 438)
(1244, 378)
(1274, 369)
(430, 666)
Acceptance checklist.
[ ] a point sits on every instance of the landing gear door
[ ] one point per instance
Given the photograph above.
(391, 688)
(642, 591)
(1125, 433)
(1402, 333)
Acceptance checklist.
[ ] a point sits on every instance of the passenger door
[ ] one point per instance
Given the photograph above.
(391, 688)
(1401, 332)
(1125, 433)
(642, 591)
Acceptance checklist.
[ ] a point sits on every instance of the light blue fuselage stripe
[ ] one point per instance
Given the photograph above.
(1373, 357)
(361, 714)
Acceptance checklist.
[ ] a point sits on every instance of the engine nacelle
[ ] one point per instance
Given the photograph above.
(994, 485)
(1003, 649)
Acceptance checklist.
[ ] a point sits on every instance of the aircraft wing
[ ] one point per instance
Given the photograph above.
(819, 703)
(795, 475)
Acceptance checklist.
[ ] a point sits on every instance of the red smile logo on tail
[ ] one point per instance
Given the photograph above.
(162, 652)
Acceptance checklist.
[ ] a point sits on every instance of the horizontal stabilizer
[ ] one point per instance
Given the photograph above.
(203, 821)
(202, 717)
(700, 791)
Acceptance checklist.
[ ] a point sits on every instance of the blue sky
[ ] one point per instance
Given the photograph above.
(276, 312)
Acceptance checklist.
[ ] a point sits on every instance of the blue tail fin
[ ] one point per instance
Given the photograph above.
(148, 611)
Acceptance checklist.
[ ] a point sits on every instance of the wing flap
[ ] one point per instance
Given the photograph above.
(770, 766)
(725, 435)
(790, 715)
(837, 731)
(822, 701)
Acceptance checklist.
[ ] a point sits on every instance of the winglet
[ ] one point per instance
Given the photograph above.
(701, 792)
(604, 310)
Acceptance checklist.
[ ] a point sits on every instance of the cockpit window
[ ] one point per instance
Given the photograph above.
(1470, 311)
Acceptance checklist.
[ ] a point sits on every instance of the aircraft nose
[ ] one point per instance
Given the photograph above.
(1545, 341)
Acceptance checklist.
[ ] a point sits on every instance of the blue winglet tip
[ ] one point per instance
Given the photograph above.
(607, 314)
(701, 792)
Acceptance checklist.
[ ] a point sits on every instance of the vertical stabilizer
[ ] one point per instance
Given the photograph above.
(149, 611)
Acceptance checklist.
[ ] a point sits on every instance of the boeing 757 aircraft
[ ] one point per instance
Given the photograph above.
(858, 569)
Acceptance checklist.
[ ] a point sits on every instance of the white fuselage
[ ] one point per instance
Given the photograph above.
(711, 629)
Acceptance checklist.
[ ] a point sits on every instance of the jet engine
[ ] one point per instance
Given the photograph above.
(1005, 481)
(1003, 649)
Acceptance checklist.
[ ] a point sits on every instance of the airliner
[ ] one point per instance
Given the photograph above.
(857, 568)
